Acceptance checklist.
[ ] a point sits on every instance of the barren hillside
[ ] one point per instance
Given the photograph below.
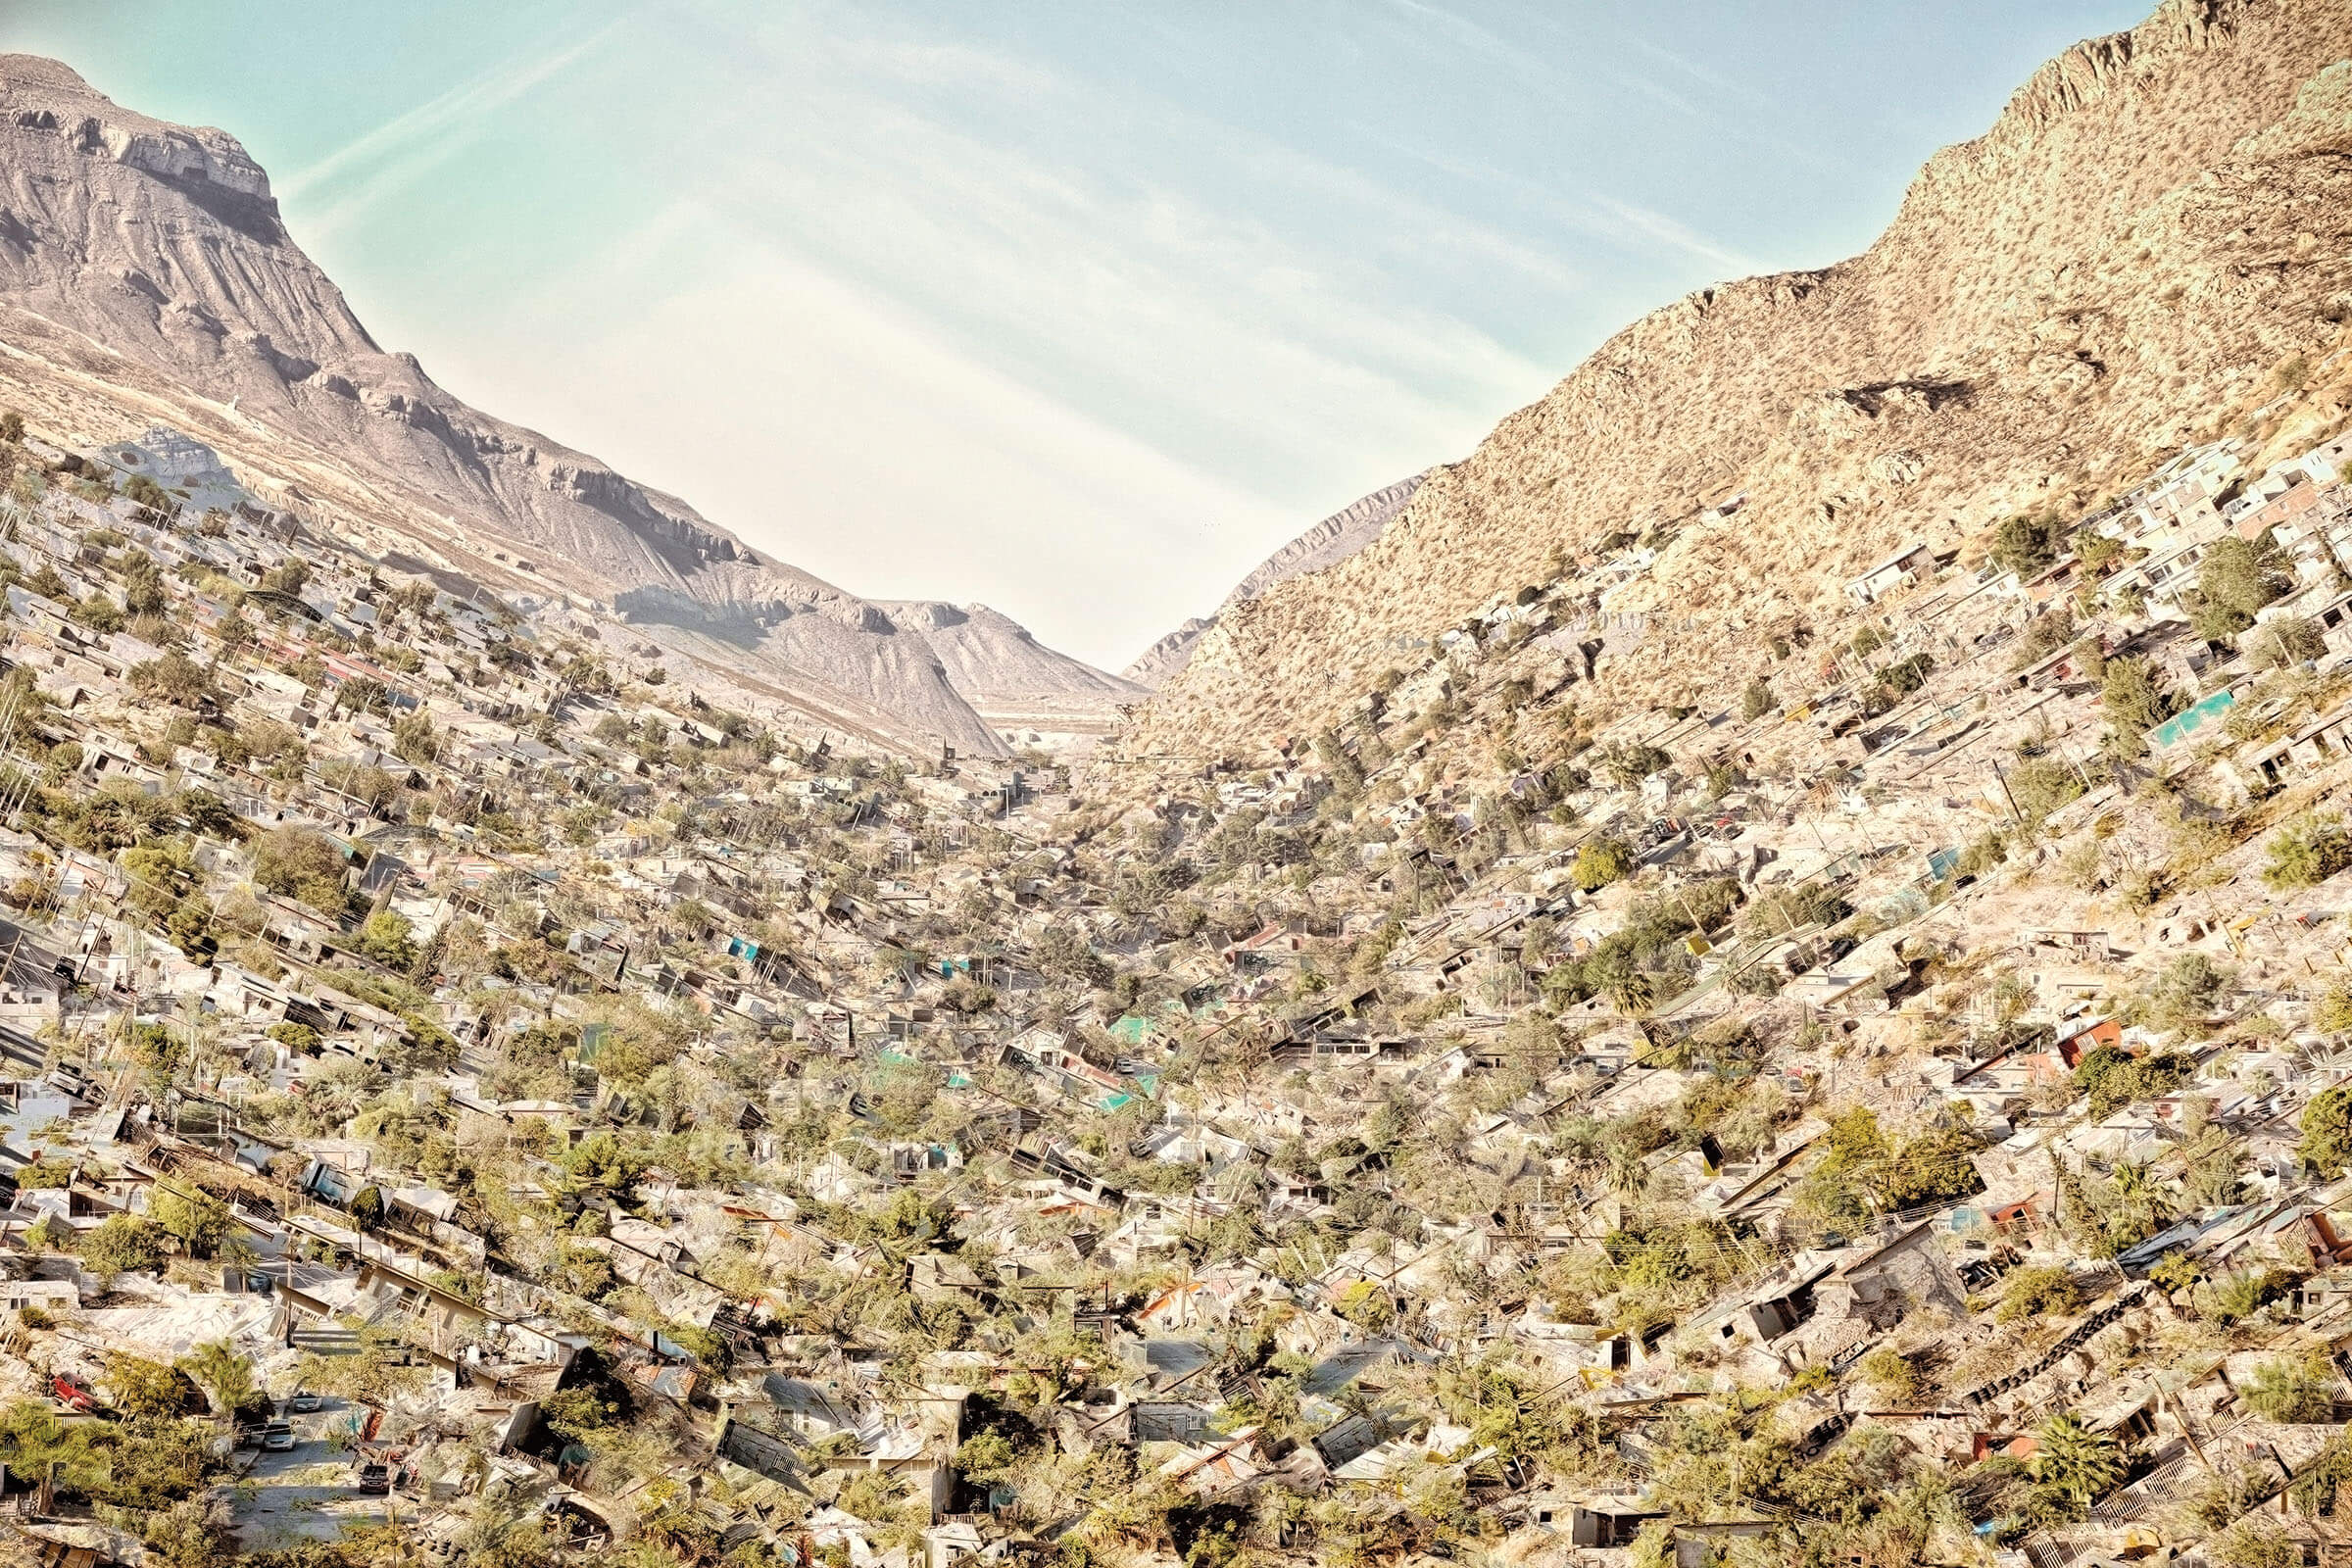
(2156, 220)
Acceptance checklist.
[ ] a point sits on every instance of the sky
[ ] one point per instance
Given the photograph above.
(1073, 308)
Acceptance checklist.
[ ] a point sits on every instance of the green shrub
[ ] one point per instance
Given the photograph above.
(2042, 786)
(2079, 1464)
(2243, 1295)
(2037, 1291)
(2136, 701)
(1891, 1374)
(1629, 764)
(2113, 1078)
(2291, 1391)
(2307, 851)
(2175, 1271)
(2254, 1544)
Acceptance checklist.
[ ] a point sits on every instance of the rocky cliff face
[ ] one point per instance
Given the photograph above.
(2156, 220)
(145, 273)
(1326, 544)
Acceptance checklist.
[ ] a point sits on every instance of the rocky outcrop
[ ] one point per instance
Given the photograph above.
(2155, 221)
(134, 252)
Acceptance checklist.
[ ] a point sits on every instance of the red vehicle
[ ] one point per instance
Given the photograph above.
(73, 1394)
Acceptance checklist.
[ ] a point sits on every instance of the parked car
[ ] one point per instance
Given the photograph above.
(374, 1478)
(277, 1438)
(304, 1402)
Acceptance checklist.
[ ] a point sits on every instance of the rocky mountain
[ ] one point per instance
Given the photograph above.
(1326, 544)
(2157, 221)
(146, 276)
(1009, 677)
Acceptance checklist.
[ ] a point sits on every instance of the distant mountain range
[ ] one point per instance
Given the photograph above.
(147, 276)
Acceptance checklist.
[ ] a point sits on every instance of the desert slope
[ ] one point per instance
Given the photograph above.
(127, 242)
(2156, 219)
(1326, 544)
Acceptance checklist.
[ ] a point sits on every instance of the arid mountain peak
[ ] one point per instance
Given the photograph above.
(2155, 219)
(146, 274)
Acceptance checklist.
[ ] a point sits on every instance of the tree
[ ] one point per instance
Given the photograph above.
(2037, 1290)
(192, 1533)
(2307, 851)
(2326, 1128)
(123, 1244)
(2236, 578)
(289, 577)
(2283, 641)
(2136, 700)
(414, 739)
(296, 863)
(600, 1165)
(98, 613)
(198, 1221)
(2077, 1463)
(1600, 862)
(137, 1387)
(1892, 1374)
(224, 1376)
(2253, 1542)
(1757, 701)
(173, 678)
(389, 938)
(2291, 1391)
(11, 426)
(2027, 544)
(1630, 992)
(146, 492)
(1629, 764)
(367, 1207)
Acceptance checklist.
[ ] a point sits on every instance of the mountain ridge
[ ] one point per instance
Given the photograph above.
(163, 246)
(2146, 228)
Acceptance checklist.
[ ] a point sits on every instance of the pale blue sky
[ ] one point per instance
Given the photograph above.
(1077, 309)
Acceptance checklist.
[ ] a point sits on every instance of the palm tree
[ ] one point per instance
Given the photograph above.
(224, 1376)
(2075, 1462)
(1630, 992)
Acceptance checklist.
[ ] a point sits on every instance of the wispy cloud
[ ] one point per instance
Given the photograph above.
(1677, 235)
(1221, 301)
(1624, 225)
(368, 167)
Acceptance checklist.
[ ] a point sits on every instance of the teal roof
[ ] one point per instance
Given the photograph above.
(2184, 724)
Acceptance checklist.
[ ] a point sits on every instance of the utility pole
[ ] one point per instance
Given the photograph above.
(2005, 795)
